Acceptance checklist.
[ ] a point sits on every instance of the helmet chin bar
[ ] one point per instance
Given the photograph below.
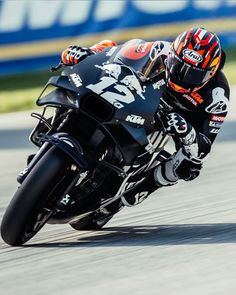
(181, 89)
(177, 88)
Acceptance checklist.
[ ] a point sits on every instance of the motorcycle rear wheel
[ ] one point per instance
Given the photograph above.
(28, 210)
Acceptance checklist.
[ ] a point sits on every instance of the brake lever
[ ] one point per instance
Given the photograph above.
(56, 68)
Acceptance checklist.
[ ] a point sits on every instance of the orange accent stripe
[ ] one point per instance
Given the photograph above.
(206, 61)
(196, 96)
(177, 87)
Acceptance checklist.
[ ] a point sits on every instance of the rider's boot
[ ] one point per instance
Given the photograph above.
(162, 175)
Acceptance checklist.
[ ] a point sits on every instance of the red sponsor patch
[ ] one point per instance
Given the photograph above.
(136, 51)
(217, 118)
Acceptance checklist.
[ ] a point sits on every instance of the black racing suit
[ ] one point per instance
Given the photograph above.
(205, 110)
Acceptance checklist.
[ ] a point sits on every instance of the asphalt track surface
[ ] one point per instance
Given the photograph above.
(181, 240)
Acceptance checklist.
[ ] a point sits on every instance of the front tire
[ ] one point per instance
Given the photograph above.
(27, 211)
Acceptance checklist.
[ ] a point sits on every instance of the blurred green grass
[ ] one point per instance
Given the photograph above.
(19, 92)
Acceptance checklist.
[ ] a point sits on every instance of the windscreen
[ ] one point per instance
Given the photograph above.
(136, 54)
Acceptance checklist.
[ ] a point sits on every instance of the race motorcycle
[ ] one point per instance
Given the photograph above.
(103, 136)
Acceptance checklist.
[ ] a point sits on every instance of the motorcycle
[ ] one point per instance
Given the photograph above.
(103, 133)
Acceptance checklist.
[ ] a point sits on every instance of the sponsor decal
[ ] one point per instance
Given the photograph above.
(194, 97)
(76, 79)
(132, 82)
(114, 91)
(156, 50)
(23, 172)
(113, 70)
(135, 119)
(159, 84)
(142, 48)
(214, 130)
(219, 101)
(189, 98)
(192, 56)
(217, 118)
(136, 52)
(215, 124)
(65, 200)
(116, 95)
(140, 197)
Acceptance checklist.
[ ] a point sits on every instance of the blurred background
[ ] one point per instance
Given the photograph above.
(33, 34)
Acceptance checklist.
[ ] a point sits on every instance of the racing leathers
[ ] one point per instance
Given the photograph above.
(193, 119)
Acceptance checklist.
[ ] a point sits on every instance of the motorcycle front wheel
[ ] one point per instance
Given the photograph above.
(29, 208)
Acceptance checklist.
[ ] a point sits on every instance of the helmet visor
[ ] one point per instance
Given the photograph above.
(186, 75)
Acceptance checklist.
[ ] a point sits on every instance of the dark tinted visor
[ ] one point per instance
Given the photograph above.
(184, 74)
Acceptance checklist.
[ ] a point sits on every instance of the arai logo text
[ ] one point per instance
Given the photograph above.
(192, 55)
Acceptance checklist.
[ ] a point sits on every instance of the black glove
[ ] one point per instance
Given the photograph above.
(188, 169)
(175, 125)
(74, 54)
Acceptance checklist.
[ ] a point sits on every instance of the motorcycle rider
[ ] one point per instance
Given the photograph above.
(197, 92)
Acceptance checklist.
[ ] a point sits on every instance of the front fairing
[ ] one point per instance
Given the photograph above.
(134, 102)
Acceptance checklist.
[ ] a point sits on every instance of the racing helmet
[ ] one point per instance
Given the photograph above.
(193, 60)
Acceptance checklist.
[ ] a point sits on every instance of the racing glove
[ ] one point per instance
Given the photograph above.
(190, 164)
(176, 126)
(102, 45)
(74, 54)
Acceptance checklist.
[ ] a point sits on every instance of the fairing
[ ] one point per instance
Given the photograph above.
(107, 80)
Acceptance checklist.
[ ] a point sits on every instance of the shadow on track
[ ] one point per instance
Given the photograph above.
(147, 235)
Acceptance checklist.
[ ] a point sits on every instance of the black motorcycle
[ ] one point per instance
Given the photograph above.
(104, 133)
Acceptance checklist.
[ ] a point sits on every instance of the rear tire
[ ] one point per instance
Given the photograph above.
(27, 212)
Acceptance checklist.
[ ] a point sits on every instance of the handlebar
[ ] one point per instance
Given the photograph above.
(60, 65)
